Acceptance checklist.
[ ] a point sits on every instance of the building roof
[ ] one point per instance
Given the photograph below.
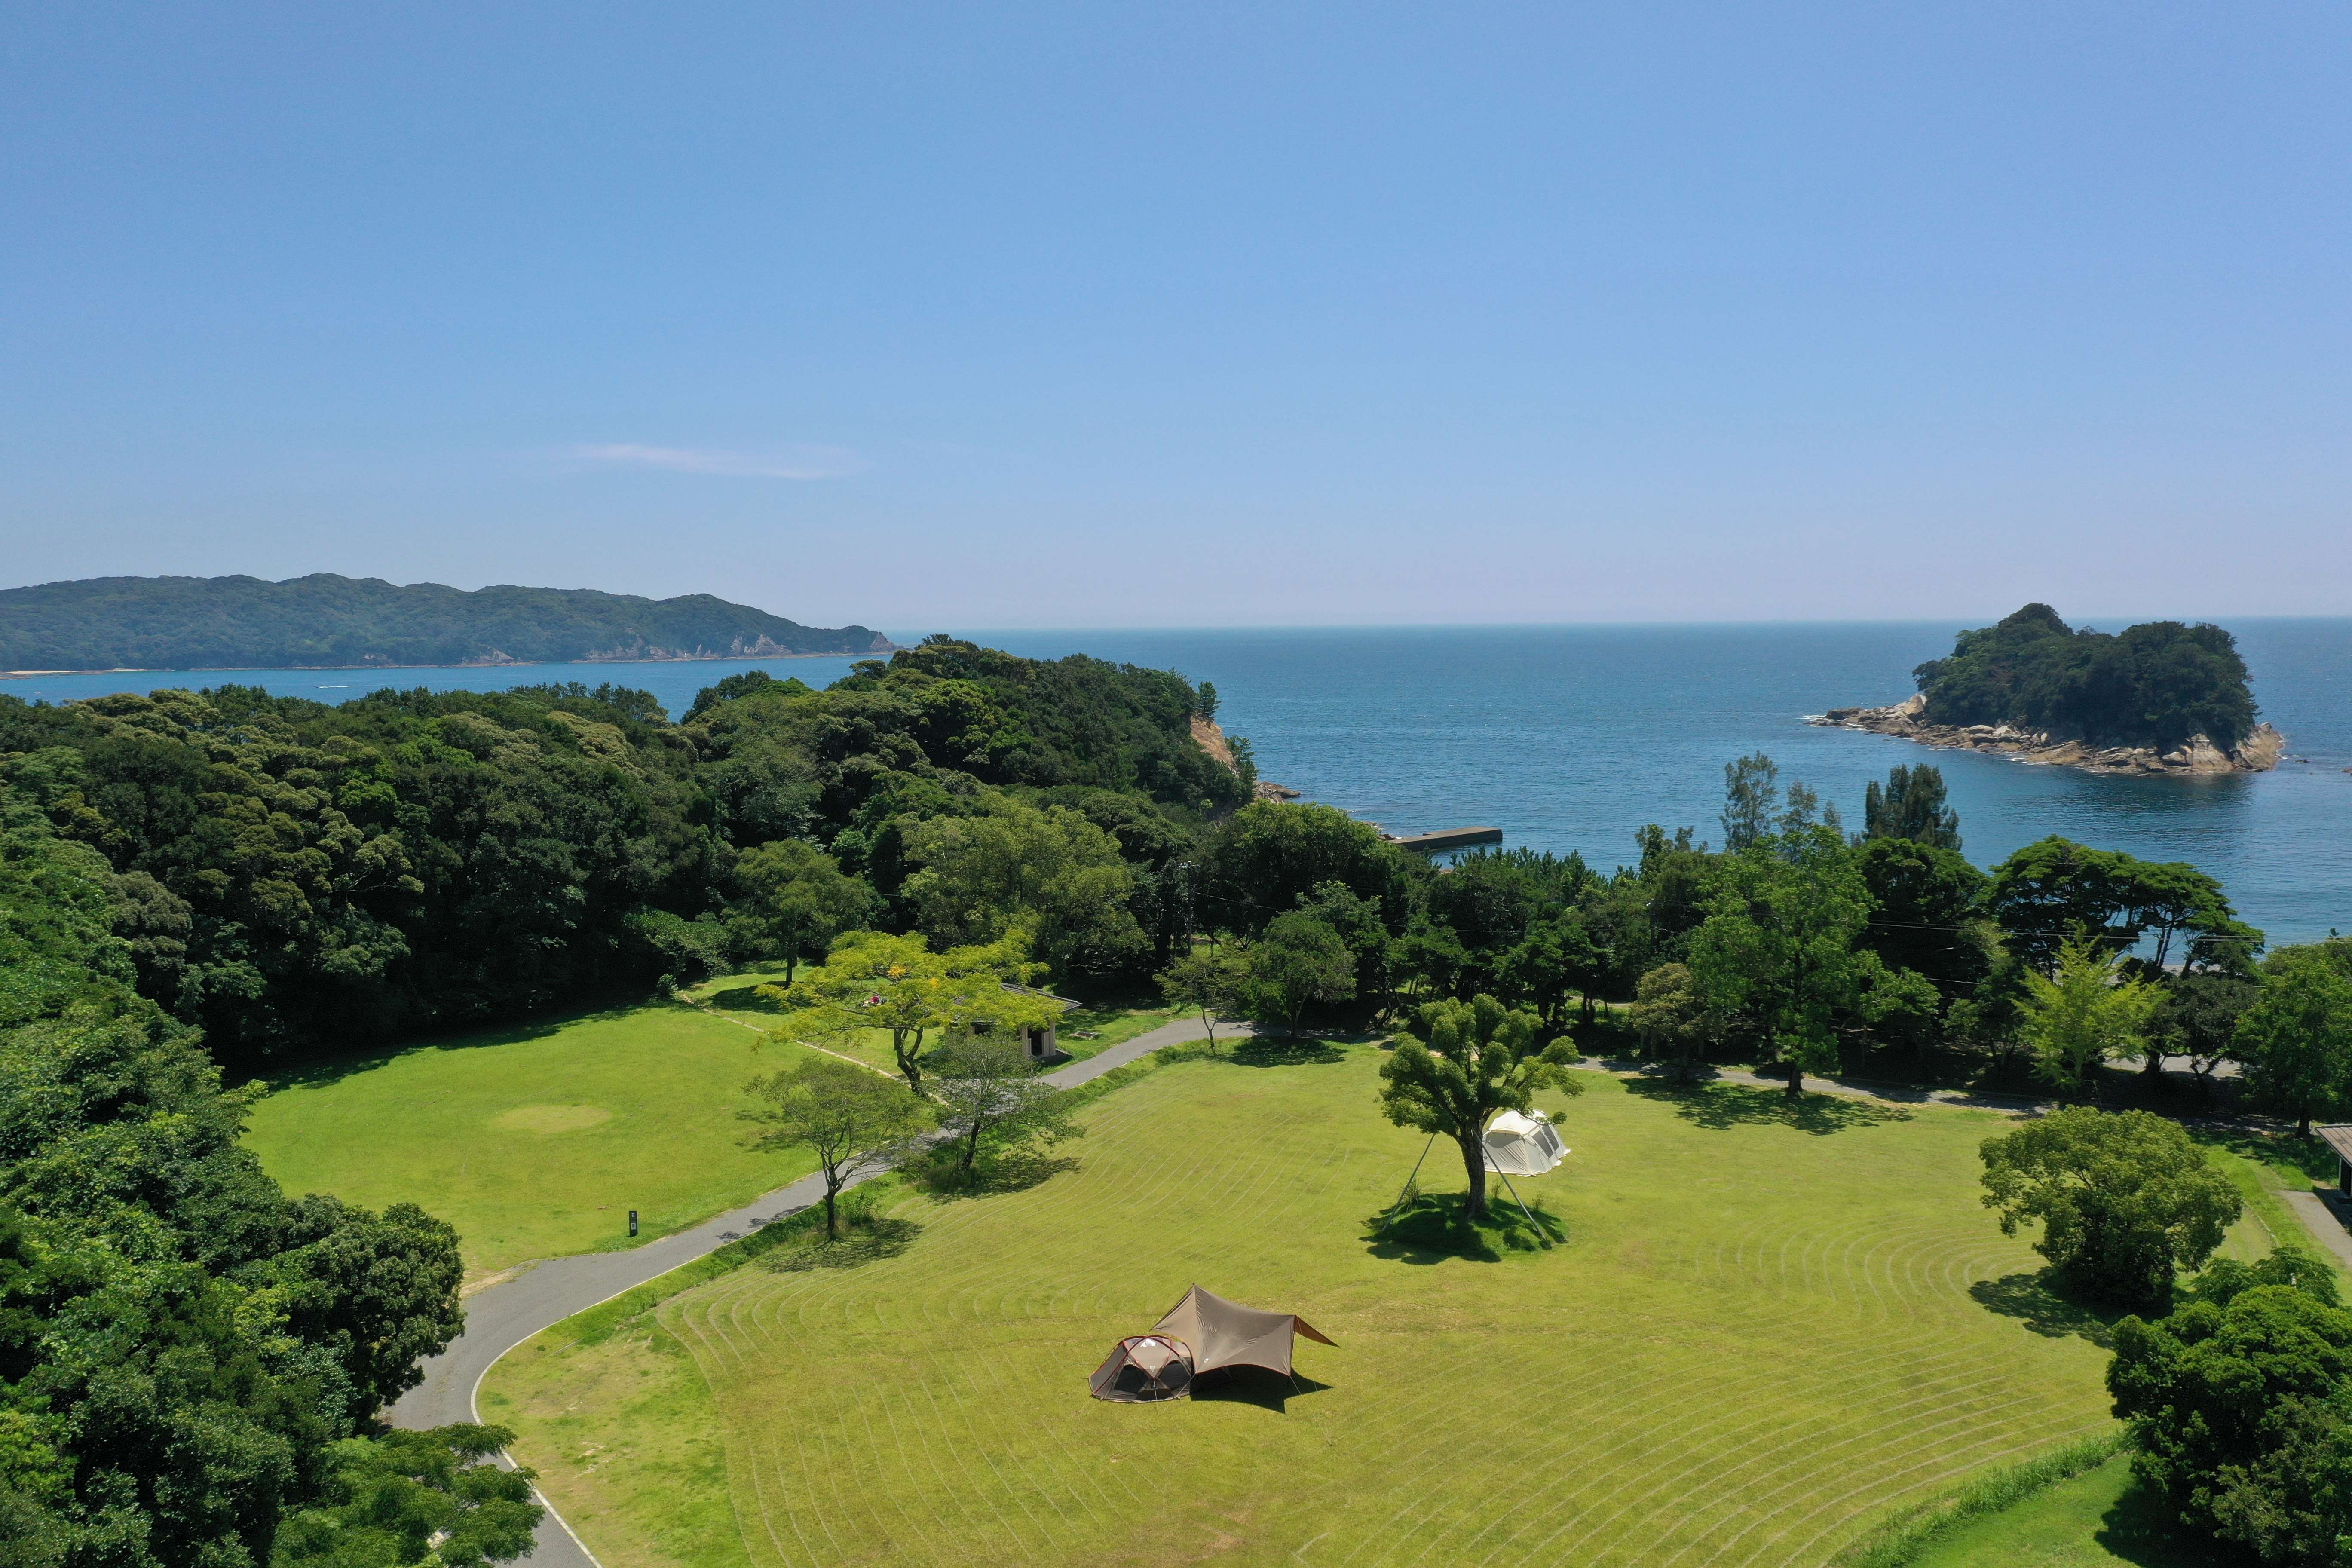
(1064, 1002)
(2339, 1138)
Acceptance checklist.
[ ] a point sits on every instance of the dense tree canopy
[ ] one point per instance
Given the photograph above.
(182, 1347)
(2154, 684)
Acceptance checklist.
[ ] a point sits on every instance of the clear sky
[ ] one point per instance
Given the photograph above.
(1006, 315)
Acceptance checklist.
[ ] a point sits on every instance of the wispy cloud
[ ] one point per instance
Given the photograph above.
(792, 462)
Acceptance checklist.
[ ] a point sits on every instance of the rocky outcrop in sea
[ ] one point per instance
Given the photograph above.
(2258, 752)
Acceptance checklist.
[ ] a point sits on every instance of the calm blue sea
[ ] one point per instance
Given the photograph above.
(1572, 737)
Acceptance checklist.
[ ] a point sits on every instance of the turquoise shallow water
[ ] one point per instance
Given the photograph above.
(1572, 737)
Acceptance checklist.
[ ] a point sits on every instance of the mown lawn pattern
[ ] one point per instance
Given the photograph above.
(1763, 1330)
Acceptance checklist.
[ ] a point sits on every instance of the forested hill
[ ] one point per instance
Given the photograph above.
(2152, 685)
(325, 621)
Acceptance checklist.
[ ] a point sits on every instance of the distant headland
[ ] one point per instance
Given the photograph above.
(2159, 698)
(327, 622)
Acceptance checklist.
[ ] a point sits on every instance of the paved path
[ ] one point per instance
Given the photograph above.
(506, 1314)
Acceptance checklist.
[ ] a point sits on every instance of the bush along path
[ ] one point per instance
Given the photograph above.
(506, 1314)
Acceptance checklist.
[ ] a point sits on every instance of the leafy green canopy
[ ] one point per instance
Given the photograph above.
(286, 874)
(2124, 1200)
(182, 1347)
(1461, 1063)
(2155, 684)
(2239, 1408)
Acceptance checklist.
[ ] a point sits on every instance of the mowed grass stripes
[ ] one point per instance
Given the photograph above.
(1764, 1328)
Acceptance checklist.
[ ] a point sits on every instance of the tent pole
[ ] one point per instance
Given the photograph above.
(1425, 1148)
(1522, 1203)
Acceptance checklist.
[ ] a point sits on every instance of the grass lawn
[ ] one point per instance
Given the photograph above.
(536, 1141)
(1766, 1327)
(2098, 1519)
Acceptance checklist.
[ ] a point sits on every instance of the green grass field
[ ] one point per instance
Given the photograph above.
(2098, 1519)
(1766, 1326)
(537, 1141)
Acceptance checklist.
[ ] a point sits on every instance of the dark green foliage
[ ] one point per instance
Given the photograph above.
(2156, 684)
(1926, 916)
(391, 1501)
(2054, 890)
(1298, 962)
(285, 873)
(2124, 1200)
(1264, 859)
(230, 623)
(181, 1348)
(2295, 1036)
(1911, 805)
(2238, 1408)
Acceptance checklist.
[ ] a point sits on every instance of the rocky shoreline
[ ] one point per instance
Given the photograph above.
(2258, 752)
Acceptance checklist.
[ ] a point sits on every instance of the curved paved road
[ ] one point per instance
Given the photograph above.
(502, 1317)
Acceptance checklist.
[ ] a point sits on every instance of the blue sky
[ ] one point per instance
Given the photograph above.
(1255, 314)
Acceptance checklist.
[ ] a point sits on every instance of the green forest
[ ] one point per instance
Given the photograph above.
(2154, 684)
(323, 620)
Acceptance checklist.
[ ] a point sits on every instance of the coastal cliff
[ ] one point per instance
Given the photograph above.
(2258, 752)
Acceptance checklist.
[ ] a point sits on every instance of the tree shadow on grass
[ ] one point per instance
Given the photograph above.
(1719, 1106)
(2138, 1529)
(742, 999)
(1283, 1051)
(1014, 1171)
(2031, 1301)
(1252, 1385)
(1432, 1227)
(863, 1239)
(330, 1070)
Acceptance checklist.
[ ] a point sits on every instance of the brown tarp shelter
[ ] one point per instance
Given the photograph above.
(1142, 1368)
(1225, 1334)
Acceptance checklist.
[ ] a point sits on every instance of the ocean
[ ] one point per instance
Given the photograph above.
(1570, 738)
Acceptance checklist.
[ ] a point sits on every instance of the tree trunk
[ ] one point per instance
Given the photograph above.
(1796, 1080)
(971, 1145)
(2303, 1128)
(1473, 1160)
(832, 1186)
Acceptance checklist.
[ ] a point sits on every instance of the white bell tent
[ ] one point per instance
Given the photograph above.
(1520, 1145)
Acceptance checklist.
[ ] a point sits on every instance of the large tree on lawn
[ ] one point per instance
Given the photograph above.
(1781, 945)
(853, 1118)
(873, 980)
(1463, 1062)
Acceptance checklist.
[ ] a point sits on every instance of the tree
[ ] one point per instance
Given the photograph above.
(1928, 914)
(1261, 861)
(2124, 1200)
(1751, 802)
(381, 1289)
(990, 1096)
(796, 899)
(415, 1498)
(854, 1121)
(2199, 1018)
(2086, 1015)
(1463, 1061)
(2296, 1038)
(1299, 960)
(2054, 890)
(873, 980)
(1670, 1017)
(2237, 1406)
(981, 874)
(1779, 945)
(1209, 981)
(1911, 806)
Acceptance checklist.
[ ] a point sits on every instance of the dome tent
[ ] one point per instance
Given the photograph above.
(1520, 1145)
(1143, 1368)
